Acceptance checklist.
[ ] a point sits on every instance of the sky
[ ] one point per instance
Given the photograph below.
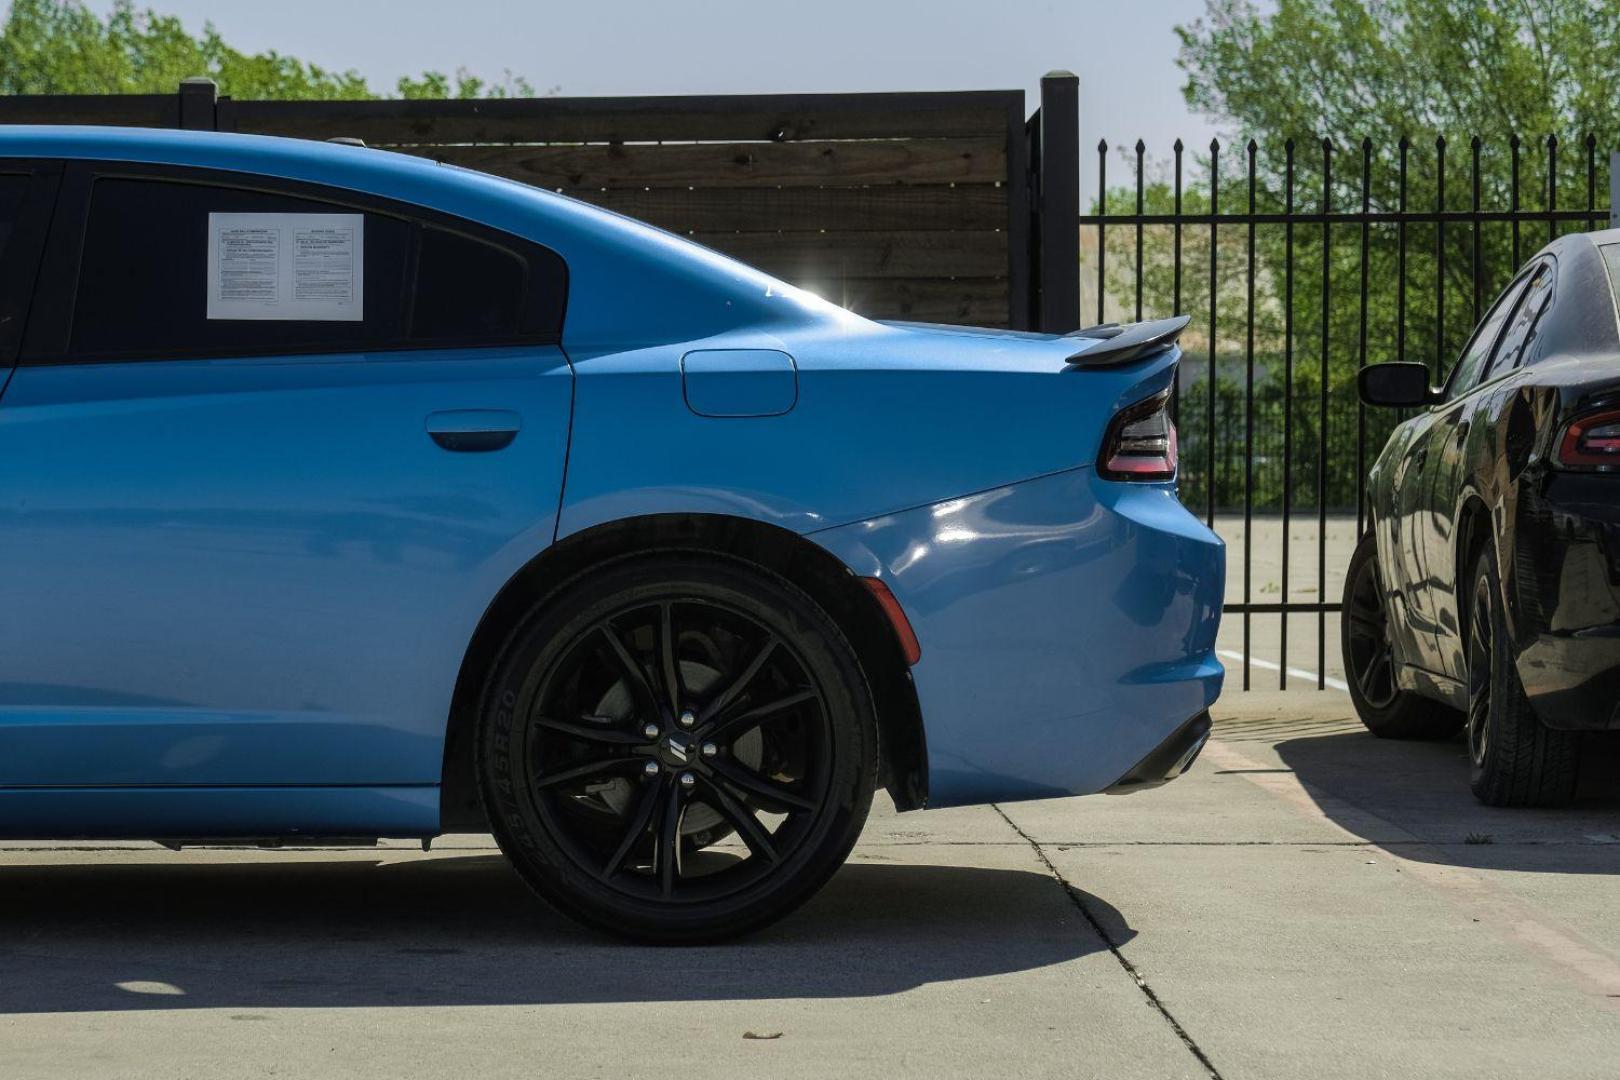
(1123, 50)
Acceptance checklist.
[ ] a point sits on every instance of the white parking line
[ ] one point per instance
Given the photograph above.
(1298, 673)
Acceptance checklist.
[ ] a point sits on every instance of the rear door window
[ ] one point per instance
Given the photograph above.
(1477, 354)
(172, 267)
(1518, 341)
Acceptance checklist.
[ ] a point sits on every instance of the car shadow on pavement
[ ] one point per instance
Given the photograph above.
(315, 930)
(1413, 798)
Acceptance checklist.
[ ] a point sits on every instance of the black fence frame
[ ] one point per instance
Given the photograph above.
(1549, 216)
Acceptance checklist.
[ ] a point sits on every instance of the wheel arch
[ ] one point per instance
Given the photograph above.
(903, 761)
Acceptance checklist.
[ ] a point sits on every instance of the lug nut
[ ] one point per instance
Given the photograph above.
(651, 768)
(651, 731)
(709, 749)
(687, 780)
(688, 718)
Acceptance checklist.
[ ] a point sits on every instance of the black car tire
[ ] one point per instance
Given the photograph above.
(742, 642)
(1516, 759)
(1389, 711)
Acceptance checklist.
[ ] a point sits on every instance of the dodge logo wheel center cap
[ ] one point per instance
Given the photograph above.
(675, 750)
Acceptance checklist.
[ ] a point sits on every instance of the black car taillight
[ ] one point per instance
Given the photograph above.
(1141, 442)
(1592, 442)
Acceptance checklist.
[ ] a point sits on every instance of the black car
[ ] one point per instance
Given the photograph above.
(1486, 592)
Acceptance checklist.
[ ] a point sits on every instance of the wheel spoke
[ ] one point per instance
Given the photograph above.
(672, 667)
(1373, 677)
(745, 720)
(743, 820)
(590, 733)
(666, 857)
(754, 784)
(579, 772)
(635, 675)
(650, 798)
(740, 683)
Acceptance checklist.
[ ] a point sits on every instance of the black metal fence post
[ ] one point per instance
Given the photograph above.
(1058, 182)
(199, 98)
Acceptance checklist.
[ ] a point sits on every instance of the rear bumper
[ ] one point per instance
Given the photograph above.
(1067, 627)
(1565, 600)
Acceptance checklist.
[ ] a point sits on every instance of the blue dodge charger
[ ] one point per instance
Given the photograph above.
(344, 494)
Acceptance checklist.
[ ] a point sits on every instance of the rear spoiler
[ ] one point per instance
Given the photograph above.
(1127, 344)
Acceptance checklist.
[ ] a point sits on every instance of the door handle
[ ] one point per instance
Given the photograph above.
(474, 430)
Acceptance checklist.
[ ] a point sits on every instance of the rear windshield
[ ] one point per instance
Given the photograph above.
(1611, 260)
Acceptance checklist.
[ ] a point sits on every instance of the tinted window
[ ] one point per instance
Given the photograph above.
(13, 189)
(1518, 342)
(466, 289)
(143, 290)
(143, 277)
(1467, 373)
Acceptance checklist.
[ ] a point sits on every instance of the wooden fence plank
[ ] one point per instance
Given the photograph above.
(878, 208)
(875, 161)
(970, 301)
(823, 259)
(115, 110)
(767, 117)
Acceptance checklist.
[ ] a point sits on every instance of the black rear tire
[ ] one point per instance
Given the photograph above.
(1389, 711)
(1516, 759)
(765, 734)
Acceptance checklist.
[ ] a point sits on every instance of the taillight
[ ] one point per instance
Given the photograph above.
(1141, 442)
(1592, 442)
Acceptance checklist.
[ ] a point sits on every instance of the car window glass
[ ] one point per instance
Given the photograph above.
(1468, 370)
(13, 190)
(1611, 262)
(466, 289)
(1519, 338)
(143, 277)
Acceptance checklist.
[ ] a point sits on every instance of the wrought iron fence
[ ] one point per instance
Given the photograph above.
(1332, 259)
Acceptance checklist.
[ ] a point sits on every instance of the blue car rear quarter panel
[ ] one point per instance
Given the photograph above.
(1067, 627)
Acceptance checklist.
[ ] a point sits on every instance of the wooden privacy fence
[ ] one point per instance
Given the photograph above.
(944, 207)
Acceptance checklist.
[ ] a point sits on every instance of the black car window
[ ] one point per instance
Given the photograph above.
(1611, 262)
(1468, 370)
(145, 289)
(176, 269)
(13, 190)
(1518, 341)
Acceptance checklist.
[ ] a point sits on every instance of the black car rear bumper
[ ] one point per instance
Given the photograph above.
(1565, 598)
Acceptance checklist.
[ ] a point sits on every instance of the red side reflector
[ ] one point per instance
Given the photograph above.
(909, 646)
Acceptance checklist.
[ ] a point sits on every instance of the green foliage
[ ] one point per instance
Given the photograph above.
(1383, 71)
(61, 47)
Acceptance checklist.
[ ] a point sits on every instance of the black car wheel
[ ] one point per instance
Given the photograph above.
(1369, 660)
(1517, 760)
(677, 748)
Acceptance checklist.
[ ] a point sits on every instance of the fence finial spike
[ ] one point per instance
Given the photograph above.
(1476, 142)
(1513, 141)
(1552, 140)
(1214, 145)
(1439, 142)
(1140, 146)
(1102, 146)
(1176, 146)
(1591, 139)
(1327, 144)
(1288, 145)
(1405, 144)
(1367, 144)
(1254, 147)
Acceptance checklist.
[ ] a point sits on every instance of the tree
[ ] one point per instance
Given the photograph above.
(1382, 71)
(61, 47)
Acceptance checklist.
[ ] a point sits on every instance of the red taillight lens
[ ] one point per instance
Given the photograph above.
(1592, 442)
(1141, 443)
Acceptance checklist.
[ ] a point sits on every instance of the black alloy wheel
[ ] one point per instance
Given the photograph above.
(678, 748)
(1388, 710)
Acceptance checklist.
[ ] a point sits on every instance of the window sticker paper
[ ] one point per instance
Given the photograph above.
(293, 267)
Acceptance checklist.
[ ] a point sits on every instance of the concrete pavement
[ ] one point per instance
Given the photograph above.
(1309, 901)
